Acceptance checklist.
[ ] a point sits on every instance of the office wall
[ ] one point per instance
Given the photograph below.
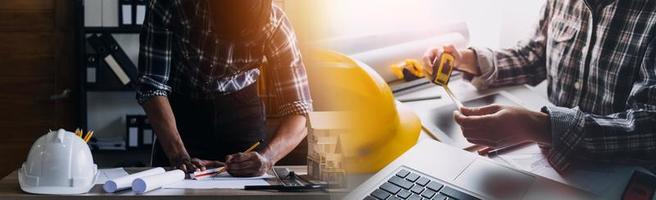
(36, 61)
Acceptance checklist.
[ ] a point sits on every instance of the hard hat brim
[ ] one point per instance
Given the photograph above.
(404, 137)
(62, 190)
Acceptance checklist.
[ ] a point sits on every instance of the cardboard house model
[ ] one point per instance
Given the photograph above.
(325, 152)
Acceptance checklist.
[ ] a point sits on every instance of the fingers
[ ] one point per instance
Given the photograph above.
(449, 48)
(484, 110)
(239, 157)
(197, 163)
(212, 163)
(204, 164)
(244, 164)
(472, 121)
(428, 58)
(247, 164)
(188, 166)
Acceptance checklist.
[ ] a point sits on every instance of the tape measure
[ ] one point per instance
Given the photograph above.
(442, 74)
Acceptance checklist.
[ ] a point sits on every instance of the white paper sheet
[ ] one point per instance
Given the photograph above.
(111, 173)
(597, 179)
(221, 181)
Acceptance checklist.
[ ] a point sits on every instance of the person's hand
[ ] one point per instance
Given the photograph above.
(203, 165)
(465, 60)
(190, 165)
(500, 125)
(247, 164)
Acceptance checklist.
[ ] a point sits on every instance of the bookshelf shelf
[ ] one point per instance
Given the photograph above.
(117, 30)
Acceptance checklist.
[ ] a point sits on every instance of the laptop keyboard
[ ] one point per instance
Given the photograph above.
(412, 186)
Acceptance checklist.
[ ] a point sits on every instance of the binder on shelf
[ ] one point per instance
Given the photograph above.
(126, 14)
(105, 78)
(132, 133)
(140, 12)
(109, 13)
(125, 70)
(92, 64)
(115, 60)
(147, 134)
(93, 13)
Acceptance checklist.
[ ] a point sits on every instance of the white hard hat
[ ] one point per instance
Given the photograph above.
(59, 162)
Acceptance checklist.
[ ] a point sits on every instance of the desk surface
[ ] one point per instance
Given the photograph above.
(9, 189)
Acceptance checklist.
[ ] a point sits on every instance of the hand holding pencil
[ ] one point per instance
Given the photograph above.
(248, 163)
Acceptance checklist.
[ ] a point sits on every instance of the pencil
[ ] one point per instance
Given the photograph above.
(247, 151)
(511, 147)
(207, 173)
(88, 136)
(78, 132)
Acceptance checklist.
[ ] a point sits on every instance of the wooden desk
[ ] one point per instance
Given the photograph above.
(9, 189)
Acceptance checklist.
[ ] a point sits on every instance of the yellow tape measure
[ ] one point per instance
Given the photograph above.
(442, 74)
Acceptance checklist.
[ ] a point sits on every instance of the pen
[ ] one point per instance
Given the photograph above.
(247, 151)
(511, 147)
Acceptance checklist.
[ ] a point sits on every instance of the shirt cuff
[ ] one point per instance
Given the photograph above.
(144, 96)
(566, 132)
(295, 108)
(486, 59)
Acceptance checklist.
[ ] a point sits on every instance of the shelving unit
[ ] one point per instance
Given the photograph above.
(105, 158)
(81, 36)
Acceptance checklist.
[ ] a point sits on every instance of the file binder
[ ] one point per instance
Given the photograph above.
(105, 76)
(123, 67)
(109, 13)
(93, 13)
(140, 12)
(133, 123)
(126, 13)
(147, 134)
(92, 64)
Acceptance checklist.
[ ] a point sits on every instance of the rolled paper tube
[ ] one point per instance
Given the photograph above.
(125, 182)
(149, 183)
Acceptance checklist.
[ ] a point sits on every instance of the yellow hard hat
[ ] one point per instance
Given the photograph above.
(381, 128)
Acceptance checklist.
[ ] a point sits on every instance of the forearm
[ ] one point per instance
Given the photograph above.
(290, 133)
(627, 136)
(162, 119)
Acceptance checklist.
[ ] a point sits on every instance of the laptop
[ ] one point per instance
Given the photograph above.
(433, 170)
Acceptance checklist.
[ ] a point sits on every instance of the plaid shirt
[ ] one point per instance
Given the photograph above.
(179, 53)
(600, 63)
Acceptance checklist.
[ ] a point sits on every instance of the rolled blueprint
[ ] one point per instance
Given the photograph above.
(125, 182)
(149, 183)
(352, 44)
